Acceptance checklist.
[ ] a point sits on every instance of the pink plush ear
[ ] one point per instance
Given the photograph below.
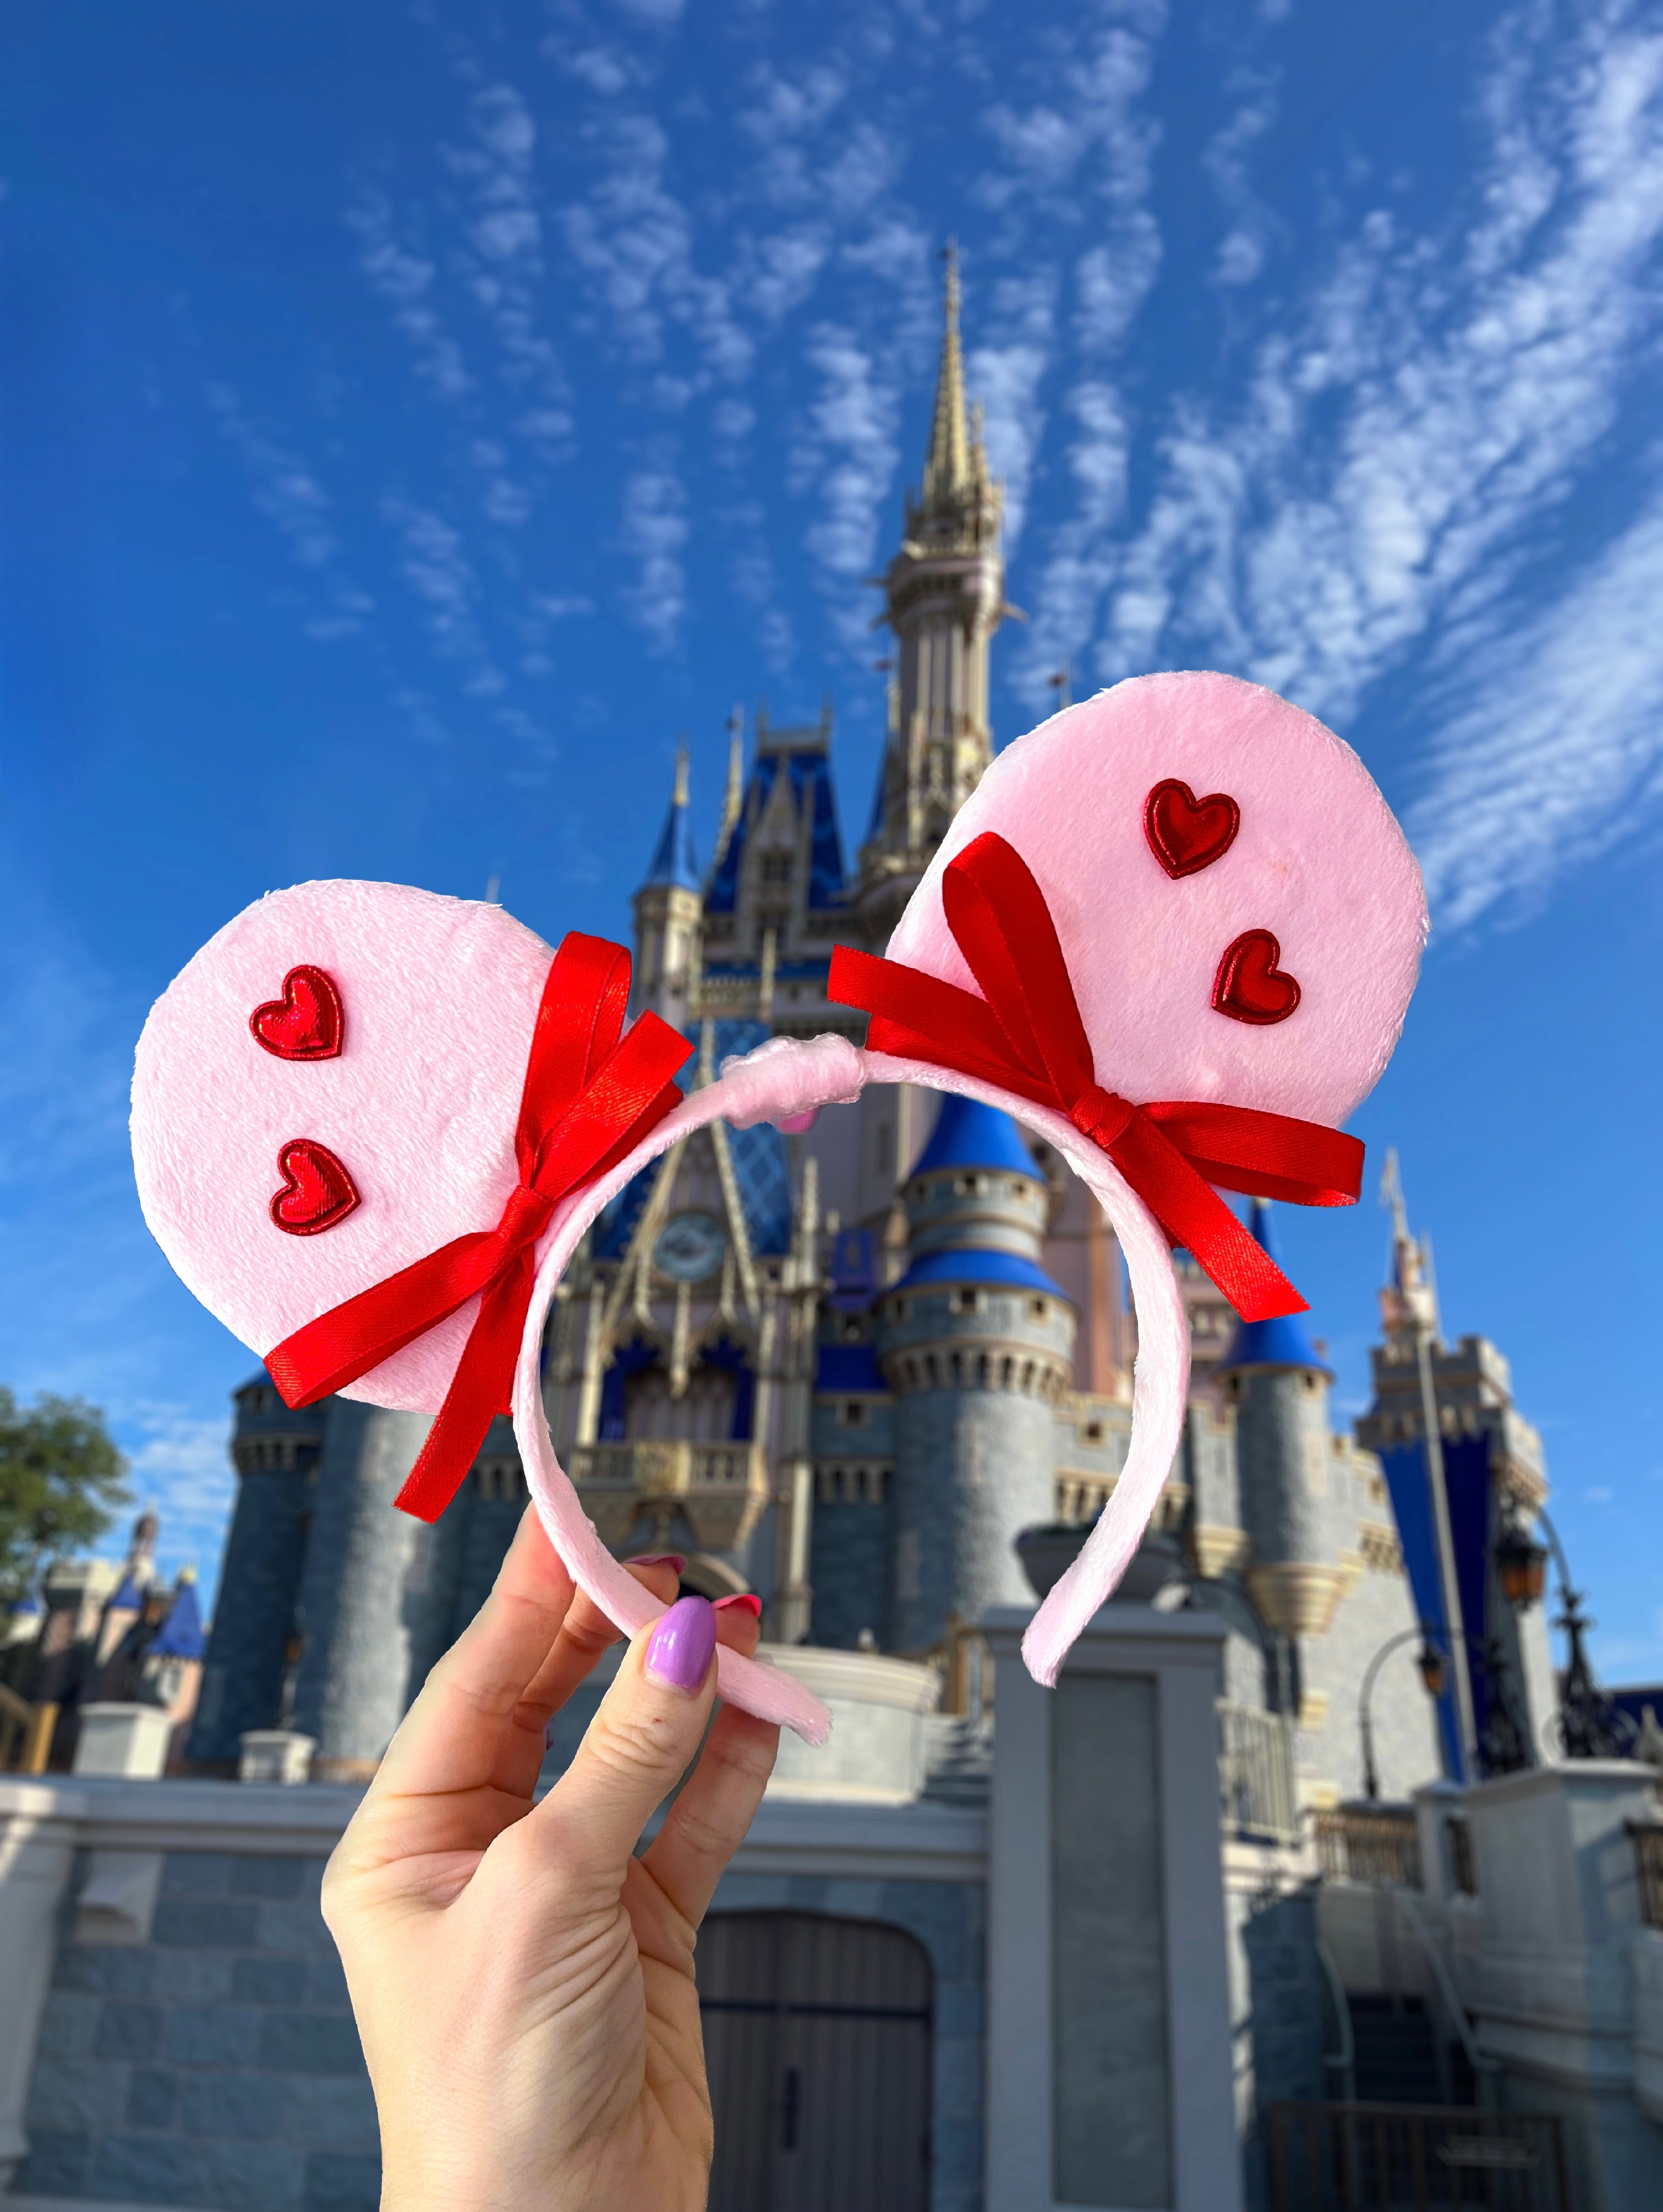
(1152, 890)
(434, 999)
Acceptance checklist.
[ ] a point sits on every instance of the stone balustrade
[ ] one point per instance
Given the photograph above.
(721, 1490)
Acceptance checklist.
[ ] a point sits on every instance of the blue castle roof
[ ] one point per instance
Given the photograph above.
(674, 863)
(181, 1635)
(808, 769)
(968, 1135)
(996, 1269)
(1279, 1343)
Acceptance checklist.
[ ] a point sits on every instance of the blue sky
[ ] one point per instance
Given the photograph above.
(413, 419)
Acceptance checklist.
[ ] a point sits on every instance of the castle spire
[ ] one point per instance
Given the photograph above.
(673, 862)
(669, 909)
(944, 596)
(733, 798)
(947, 470)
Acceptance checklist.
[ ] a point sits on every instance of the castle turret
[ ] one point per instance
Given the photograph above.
(375, 1598)
(1279, 1387)
(976, 1342)
(669, 908)
(275, 1452)
(944, 597)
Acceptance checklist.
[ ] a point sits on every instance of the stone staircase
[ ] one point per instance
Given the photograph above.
(1396, 2049)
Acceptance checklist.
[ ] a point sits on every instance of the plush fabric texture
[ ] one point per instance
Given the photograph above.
(438, 997)
(1319, 862)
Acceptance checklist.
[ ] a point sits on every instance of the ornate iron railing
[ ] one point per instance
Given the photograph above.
(1351, 2158)
(1256, 1773)
(1372, 1842)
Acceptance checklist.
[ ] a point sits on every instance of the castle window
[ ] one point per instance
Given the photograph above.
(852, 1413)
(966, 1301)
(1093, 1432)
(967, 1186)
(851, 1332)
(777, 867)
(1038, 1308)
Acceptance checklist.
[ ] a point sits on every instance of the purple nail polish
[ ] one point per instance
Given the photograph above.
(656, 1560)
(679, 1650)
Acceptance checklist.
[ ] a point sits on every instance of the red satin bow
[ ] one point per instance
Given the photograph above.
(591, 1093)
(1024, 1034)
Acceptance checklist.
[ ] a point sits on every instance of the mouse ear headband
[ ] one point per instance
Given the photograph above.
(371, 1125)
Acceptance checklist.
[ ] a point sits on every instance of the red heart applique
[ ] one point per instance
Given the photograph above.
(1186, 833)
(305, 1023)
(1249, 986)
(317, 1190)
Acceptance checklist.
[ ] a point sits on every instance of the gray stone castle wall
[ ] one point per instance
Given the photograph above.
(218, 2065)
(972, 1469)
(373, 1598)
(850, 1571)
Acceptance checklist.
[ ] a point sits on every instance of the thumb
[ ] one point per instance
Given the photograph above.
(639, 1744)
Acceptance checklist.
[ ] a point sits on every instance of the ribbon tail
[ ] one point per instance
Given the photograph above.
(346, 1342)
(479, 1390)
(1194, 1215)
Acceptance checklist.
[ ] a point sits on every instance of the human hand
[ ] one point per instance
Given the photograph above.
(522, 1983)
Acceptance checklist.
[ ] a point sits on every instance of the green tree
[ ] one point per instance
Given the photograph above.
(60, 1483)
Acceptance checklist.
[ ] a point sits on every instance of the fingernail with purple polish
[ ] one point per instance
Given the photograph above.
(679, 1650)
(656, 1560)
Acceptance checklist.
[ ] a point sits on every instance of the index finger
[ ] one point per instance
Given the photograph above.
(473, 1707)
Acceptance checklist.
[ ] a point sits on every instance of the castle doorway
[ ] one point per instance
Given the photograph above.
(817, 2039)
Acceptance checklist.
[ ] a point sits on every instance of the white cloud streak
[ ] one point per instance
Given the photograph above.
(1407, 437)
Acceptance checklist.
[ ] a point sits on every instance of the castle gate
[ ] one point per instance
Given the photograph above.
(817, 2036)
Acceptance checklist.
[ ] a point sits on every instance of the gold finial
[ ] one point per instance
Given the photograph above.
(679, 796)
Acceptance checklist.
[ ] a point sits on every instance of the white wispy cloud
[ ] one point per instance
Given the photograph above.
(501, 256)
(632, 239)
(653, 533)
(285, 489)
(402, 276)
(849, 456)
(1005, 371)
(432, 559)
(1554, 753)
(1408, 434)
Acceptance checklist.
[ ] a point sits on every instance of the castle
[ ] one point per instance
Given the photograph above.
(992, 1947)
(847, 1368)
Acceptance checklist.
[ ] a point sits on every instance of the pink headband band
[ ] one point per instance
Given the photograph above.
(1176, 994)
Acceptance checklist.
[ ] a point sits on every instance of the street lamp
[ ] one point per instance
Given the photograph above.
(1590, 1725)
(1520, 1567)
(1501, 1745)
(1427, 1659)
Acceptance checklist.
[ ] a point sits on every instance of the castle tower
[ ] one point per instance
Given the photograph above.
(1493, 1472)
(976, 1342)
(944, 597)
(1279, 1387)
(669, 908)
(375, 1600)
(275, 1452)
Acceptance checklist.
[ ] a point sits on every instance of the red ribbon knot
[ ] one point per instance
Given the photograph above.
(591, 1091)
(1024, 1034)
